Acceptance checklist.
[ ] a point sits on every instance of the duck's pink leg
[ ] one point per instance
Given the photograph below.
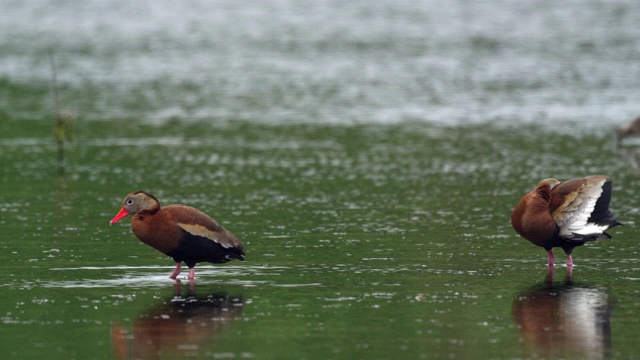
(569, 262)
(550, 268)
(176, 271)
(550, 258)
(192, 274)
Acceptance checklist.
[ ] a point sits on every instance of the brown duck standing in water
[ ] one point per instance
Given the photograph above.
(565, 214)
(182, 232)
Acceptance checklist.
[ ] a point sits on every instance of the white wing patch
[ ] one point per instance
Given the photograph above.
(574, 213)
(199, 230)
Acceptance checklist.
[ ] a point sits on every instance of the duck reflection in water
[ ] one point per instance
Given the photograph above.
(564, 320)
(176, 328)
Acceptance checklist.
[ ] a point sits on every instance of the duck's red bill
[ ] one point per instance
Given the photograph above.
(122, 214)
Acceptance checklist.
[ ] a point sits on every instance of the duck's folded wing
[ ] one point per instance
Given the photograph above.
(582, 211)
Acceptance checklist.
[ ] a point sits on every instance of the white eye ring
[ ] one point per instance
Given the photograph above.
(129, 201)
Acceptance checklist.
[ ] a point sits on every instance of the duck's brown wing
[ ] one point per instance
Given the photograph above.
(580, 208)
(197, 224)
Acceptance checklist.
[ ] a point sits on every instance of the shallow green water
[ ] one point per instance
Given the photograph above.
(368, 155)
(362, 242)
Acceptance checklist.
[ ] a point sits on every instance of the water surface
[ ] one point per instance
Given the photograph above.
(367, 156)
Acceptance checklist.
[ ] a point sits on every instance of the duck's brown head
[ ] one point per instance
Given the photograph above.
(134, 203)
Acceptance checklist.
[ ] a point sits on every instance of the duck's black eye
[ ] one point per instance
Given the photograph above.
(129, 202)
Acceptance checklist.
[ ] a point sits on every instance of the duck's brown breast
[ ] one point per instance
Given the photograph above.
(158, 230)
